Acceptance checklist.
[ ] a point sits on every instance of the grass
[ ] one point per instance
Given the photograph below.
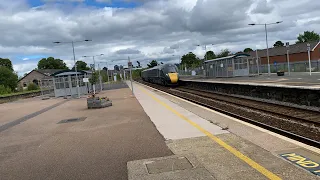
(19, 93)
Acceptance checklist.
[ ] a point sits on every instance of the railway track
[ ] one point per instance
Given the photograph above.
(299, 124)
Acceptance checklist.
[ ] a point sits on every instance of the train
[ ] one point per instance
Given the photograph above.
(164, 74)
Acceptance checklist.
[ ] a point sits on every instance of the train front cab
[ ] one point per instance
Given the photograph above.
(171, 75)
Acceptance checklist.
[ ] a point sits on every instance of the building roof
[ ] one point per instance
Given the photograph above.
(66, 72)
(46, 72)
(49, 72)
(278, 51)
(228, 57)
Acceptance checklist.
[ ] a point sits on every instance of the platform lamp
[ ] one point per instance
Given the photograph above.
(308, 47)
(288, 46)
(266, 31)
(74, 59)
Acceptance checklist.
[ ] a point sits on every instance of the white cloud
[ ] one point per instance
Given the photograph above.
(25, 59)
(157, 29)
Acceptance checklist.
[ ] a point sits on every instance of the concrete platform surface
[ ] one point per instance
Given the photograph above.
(97, 147)
(294, 80)
(244, 152)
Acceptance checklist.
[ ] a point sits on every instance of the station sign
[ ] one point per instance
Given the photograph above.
(303, 162)
(130, 64)
(85, 80)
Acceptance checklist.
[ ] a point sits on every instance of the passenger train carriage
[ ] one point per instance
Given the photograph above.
(166, 74)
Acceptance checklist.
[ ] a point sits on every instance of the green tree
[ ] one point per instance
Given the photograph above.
(6, 63)
(224, 53)
(190, 60)
(153, 63)
(8, 78)
(94, 77)
(51, 63)
(81, 65)
(308, 36)
(209, 55)
(246, 50)
(278, 44)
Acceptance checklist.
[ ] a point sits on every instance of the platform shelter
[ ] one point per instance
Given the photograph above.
(230, 66)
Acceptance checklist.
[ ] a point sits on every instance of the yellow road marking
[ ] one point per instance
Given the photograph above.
(235, 152)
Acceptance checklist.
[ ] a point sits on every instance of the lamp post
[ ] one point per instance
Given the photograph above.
(266, 31)
(74, 59)
(287, 45)
(94, 69)
(308, 47)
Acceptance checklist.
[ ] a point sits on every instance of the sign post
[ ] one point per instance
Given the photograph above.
(130, 67)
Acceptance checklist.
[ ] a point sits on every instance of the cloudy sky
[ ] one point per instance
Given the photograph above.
(144, 29)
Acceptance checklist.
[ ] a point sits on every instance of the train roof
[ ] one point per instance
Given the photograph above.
(158, 67)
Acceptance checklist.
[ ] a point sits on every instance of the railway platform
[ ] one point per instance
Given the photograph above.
(296, 80)
(63, 139)
(210, 145)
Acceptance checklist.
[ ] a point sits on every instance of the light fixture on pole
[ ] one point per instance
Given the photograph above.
(308, 46)
(288, 60)
(74, 59)
(266, 31)
(94, 69)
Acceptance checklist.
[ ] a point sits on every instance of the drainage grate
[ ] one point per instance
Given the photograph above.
(72, 120)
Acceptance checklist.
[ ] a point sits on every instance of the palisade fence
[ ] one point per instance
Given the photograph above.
(301, 66)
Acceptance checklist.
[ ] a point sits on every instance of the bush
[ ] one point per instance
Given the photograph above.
(32, 86)
(5, 90)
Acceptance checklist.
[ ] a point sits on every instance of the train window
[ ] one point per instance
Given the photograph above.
(170, 69)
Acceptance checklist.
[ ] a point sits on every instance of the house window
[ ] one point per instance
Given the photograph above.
(24, 84)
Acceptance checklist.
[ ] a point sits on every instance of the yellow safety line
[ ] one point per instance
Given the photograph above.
(238, 154)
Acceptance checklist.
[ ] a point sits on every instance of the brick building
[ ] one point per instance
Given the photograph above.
(298, 52)
(35, 76)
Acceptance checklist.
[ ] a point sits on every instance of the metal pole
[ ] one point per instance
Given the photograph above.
(205, 54)
(257, 61)
(131, 75)
(288, 62)
(75, 68)
(265, 27)
(94, 70)
(309, 58)
(100, 78)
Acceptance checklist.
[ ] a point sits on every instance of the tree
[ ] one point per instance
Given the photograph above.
(139, 65)
(121, 67)
(278, 44)
(116, 68)
(224, 53)
(6, 63)
(161, 62)
(81, 65)
(190, 60)
(51, 63)
(94, 77)
(8, 78)
(152, 64)
(105, 68)
(246, 50)
(209, 55)
(308, 36)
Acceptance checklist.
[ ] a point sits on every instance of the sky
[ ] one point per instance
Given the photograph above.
(144, 29)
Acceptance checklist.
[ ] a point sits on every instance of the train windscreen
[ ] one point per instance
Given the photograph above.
(170, 69)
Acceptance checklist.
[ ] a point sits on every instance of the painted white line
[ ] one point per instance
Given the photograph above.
(314, 149)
